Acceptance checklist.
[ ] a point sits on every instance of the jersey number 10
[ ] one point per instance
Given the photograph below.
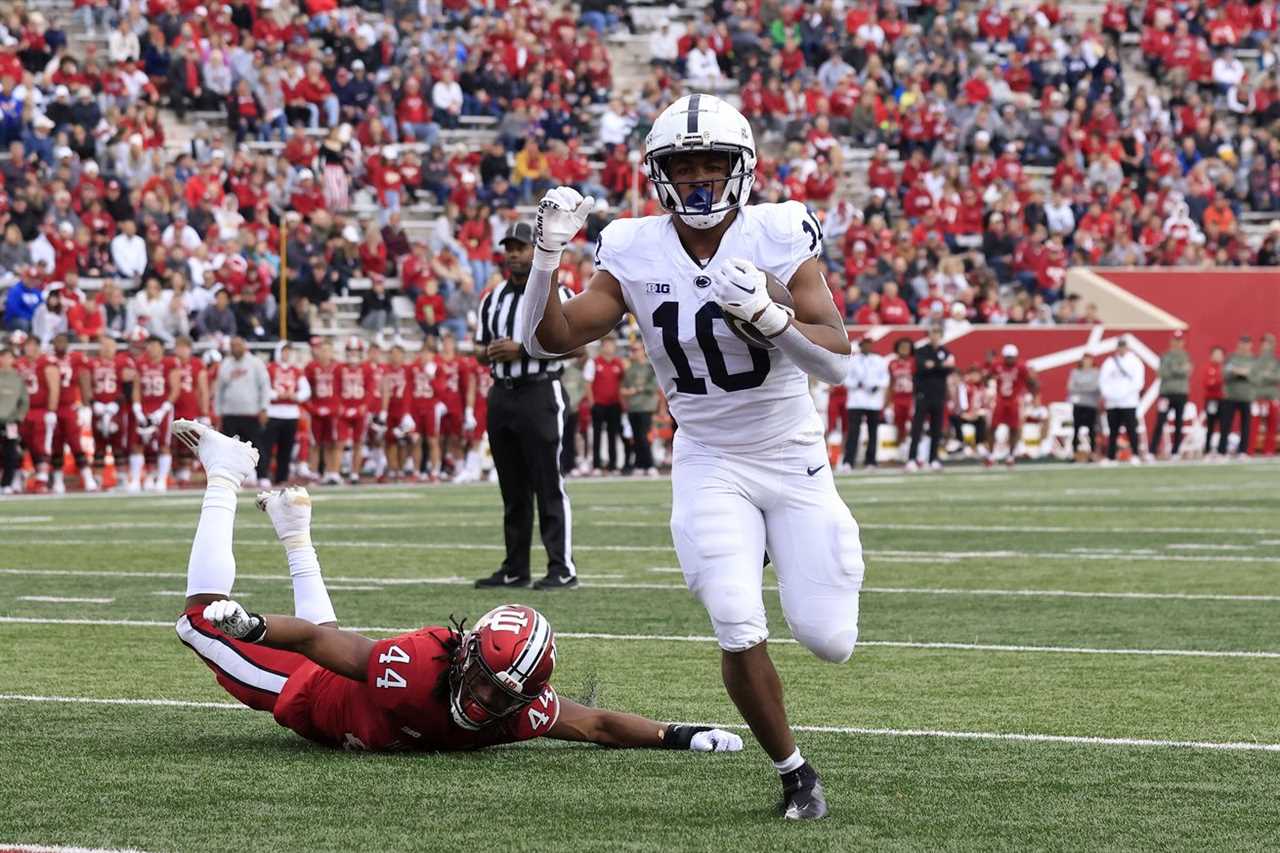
(667, 318)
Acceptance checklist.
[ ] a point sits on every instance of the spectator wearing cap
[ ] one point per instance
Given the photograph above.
(24, 297)
(1175, 385)
(1120, 383)
(38, 141)
(934, 364)
(50, 318)
(1238, 397)
(129, 250)
(59, 109)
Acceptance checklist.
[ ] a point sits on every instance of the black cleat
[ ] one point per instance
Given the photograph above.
(502, 579)
(556, 582)
(802, 794)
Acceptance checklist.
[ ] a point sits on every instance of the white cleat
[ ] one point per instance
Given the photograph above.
(289, 511)
(221, 455)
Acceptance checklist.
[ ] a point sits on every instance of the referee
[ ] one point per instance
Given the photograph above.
(526, 430)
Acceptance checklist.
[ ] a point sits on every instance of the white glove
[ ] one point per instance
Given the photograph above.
(99, 408)
(740, 289)
(234, 621)
(716, 740)
(50, 420)
(561, 214)
(468, 420)
(84, 416)
(204, 420)
(138, 416)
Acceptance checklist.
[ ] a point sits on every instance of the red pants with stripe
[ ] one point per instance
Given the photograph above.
(253, 674)
(1268, 424)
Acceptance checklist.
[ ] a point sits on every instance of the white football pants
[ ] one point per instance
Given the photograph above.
(728, 509)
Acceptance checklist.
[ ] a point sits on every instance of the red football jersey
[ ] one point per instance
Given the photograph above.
(353, 380)
(374, 374)
(108, 377)
(32, 373)
(449, 380)
(902, 373)
(188, 404)
(400, 705)
(422, 388)
(1011, 380)
(69, 367)
(323, 380)
(153, 381)
(285, 379)
(397, 380)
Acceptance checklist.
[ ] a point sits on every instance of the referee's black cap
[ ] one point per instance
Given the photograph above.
(521, 231)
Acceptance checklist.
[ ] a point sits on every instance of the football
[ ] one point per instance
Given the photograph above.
(748, 333)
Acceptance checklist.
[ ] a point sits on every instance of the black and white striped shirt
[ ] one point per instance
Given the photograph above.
(498, 320)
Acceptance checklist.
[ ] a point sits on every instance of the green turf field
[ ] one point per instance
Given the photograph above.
(1051, 658)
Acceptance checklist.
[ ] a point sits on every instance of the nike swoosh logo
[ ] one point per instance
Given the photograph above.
(744, 289)
(812, 471)
(510, 580)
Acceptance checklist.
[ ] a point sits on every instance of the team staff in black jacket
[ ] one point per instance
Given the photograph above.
(934, 363)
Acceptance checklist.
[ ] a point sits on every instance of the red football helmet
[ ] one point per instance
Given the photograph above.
(502, 665)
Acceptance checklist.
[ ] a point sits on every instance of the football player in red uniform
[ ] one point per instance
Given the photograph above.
(437, 688)
(427, 411)
(353, 378)
(902, 370)
(1012, 380)
(971, 404)
(452, 385)
(68, 401)
(322, 375)
(375, 451)
(110, 372)
(289, 392)
(153, 395)
(192, 403)
(475, 404)
(37, 428)
(395, 412)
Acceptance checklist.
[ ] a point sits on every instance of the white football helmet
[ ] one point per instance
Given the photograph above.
(701, 123)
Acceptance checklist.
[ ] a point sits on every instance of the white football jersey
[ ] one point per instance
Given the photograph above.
(721, 392)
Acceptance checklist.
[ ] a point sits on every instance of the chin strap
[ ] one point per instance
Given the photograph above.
(817, 361)
(534, 303)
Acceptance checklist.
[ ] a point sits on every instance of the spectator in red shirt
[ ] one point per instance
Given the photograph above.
(893, 308)
(373, 253)
(606, 371)
(477, 240)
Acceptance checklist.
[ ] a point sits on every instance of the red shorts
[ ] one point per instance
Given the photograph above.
(426, 422)
(324, 428)
(1007, 412)
(352, 425)
(482, 424)
(36, 435)
(157, 440)
(902, 415)
(451, 423)
(253, 674)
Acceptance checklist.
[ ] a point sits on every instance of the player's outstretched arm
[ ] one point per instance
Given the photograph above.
(545, 326)
(631, 731)
(343, 652)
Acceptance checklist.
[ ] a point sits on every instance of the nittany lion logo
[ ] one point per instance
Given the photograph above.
(702, 281)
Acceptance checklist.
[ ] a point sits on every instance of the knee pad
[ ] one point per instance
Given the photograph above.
(833, 644)
(737, 615)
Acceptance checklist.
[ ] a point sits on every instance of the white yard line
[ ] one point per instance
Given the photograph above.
(898, 555)
(54, 599)
(50, 848)
(1012, 737)
(1194, 546)
(697, 638)
(383, 583)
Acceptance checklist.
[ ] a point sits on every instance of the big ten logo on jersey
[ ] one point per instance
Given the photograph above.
(505, 620)
(389, 677)
(540, 710)
(657, 287)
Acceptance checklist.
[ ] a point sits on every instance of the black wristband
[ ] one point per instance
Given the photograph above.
(259, 631)
(679, 737)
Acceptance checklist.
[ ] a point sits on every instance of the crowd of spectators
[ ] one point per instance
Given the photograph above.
(961, 156)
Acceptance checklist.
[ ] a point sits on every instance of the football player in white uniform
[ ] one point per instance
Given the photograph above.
(750, 473)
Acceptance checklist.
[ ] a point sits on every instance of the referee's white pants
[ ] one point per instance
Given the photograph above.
(728, 509)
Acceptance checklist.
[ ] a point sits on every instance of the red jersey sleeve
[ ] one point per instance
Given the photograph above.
(538, 718)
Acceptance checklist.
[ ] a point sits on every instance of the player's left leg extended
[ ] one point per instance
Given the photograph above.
(253, 674)
(817, 554)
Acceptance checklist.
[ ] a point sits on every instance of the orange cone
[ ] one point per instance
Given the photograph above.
(109, 478)
(68, 464)
(28, 466)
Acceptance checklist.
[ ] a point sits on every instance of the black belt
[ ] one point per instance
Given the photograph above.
(521, 381)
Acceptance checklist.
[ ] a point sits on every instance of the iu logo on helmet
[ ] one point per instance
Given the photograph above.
(507, 620)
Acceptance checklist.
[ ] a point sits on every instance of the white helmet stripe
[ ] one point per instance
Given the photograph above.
(535, 648)
(692, 126)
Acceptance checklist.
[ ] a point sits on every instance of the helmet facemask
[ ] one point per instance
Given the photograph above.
(477, 695)
(698, 207)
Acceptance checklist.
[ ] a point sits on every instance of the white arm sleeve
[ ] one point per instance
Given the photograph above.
(817, 361)
(534, 303)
